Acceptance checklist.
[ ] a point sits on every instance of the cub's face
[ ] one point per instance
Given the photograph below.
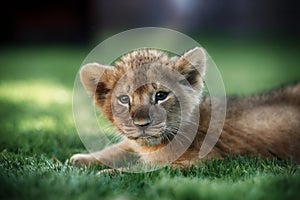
(145, 104)
(147, 95)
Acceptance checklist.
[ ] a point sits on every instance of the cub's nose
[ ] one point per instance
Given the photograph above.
(141, 117)
(142, 123)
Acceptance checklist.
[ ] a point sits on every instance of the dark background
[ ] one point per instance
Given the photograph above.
(84, 21)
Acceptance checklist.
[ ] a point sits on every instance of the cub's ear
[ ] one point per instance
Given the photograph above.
(92, 77)
(192, 66)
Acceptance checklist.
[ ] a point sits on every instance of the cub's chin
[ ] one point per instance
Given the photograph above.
(150, 141)
(146, 138)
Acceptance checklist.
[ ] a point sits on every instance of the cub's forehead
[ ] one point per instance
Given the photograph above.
(150, 76)
(143, 57)
(145, 70)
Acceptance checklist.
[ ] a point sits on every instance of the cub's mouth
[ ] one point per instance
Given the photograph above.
(144, 136)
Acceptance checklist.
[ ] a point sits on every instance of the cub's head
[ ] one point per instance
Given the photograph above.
(146, 95)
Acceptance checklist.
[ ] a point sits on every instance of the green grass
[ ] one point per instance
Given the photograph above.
(38, 135)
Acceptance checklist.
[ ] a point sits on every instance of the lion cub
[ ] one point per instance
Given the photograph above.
(154, 100)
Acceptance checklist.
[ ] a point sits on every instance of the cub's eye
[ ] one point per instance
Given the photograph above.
(160, 96)
(124, 99)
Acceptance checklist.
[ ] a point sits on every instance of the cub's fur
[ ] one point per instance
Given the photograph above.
(150, 98)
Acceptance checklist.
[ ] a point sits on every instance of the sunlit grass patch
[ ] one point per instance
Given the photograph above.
(35, 105)
(37, 124)
(36, 116)
(37, 92)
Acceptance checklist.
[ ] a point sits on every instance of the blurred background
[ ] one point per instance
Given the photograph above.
(251, 41)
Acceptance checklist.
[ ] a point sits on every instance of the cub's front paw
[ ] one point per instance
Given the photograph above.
(110, 171)
(81, 159)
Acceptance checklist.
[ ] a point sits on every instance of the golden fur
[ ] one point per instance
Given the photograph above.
(262, 125)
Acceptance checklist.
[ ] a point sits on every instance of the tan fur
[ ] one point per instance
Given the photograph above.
(262, 125)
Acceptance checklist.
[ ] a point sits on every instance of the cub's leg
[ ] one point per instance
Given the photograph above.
(108, 156)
